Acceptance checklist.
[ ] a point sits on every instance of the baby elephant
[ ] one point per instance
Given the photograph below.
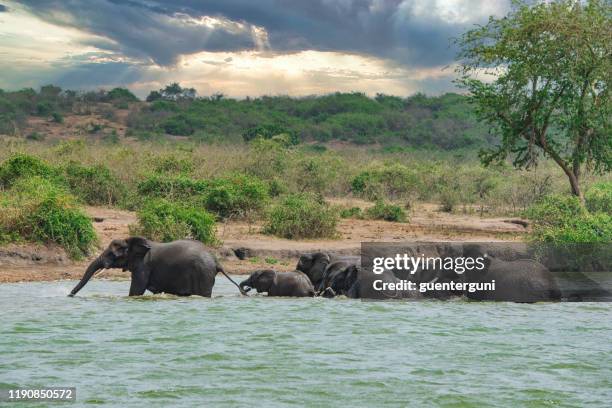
(294, 284)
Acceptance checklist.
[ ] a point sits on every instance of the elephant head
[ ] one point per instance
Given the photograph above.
(261, 280)
(340, 281)
(121, 253)
(314, 265)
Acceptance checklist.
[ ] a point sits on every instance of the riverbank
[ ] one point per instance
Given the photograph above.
(245, 248)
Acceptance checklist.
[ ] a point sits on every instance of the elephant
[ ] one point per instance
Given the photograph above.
(520, 280)
(314, 264)
(180, 268)
(352, 281)
(295, 284)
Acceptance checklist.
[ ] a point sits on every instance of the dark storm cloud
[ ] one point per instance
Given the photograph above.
(3, 8)
(163, 30)
(143, 31)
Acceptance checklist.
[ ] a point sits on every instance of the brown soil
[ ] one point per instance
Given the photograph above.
(42, 263)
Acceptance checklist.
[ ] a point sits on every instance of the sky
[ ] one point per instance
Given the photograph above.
(237, 47)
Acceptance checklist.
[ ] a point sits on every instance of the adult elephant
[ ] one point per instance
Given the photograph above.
(352, 281)
(295, 284)
(315, 264)
(181, 268)
(520, 280)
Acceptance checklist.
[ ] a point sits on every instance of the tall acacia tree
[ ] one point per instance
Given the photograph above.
(540, 78)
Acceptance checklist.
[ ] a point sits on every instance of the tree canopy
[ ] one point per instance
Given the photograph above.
(550, 65)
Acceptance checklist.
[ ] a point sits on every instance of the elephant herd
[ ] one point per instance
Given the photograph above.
(187, 268)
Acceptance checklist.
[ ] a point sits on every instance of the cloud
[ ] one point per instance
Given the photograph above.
(3, 8)
(150, 33)
(238, 47)
(410, 32)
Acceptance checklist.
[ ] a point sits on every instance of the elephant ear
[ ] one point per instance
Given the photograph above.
(137, 249)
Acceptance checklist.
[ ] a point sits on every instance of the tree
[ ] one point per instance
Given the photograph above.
(549, 96)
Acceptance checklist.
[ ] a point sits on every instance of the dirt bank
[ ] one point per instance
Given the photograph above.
(242, 240)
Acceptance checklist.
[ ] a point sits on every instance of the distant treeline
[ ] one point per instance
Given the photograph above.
(445, 121)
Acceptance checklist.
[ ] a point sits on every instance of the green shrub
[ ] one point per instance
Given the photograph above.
(178, 125)
(23, 165)
(561, 219)
(236, 195)
(449, 198)
(393, 181)
(172, 164)
(37, 210)
(170, 187)
(599, 198)
(352, 212)
(57, 117)
(300, 216)
(271, 131)
(35, 136)
(387, 212)
(164, 221)
(94, 185)
(555, 210)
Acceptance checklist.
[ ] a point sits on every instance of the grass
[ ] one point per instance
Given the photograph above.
(244, 180)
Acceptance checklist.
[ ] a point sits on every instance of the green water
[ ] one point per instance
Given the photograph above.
(232, 351)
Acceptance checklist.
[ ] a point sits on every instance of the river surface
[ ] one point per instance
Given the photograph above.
(232, 351)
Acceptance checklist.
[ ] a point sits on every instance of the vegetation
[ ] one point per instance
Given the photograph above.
(35, 209)
(300, 216)
(387, 212)
(562, 219)
(164, 221)
(550, 96)
(443, 122)
(599, 198)
(94, 185)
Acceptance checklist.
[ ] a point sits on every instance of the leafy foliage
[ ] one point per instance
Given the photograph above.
(237, 195)
(550, 96)
(385, 211)
(562, 219)
(95, 185)
(23, 165)
(35, 209)
(599, 198)
(164, 221)
(299, 216)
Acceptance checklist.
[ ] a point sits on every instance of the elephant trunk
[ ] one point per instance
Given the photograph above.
(95, 266)
(244, 284)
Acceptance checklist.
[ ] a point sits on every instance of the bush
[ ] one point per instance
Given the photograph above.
(37, 210)
(449, 198)
(94, 185)
(178, 125)
(164, 221)
(352, 212)
(237, 195)
(387, 212)
(599, 198)
(179, 187)
(300, 216)
(57, 117)
(561, 219)
(555, 210)
(393, 181)
(35, 136)
(23, 165)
